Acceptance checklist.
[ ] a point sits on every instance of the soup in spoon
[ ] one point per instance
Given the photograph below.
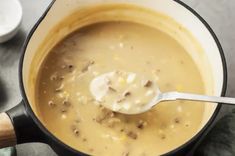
(122, 91)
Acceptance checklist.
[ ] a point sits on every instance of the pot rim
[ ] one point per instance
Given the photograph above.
(180, 148)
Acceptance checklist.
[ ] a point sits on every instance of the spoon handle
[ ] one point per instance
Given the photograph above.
(197, 97)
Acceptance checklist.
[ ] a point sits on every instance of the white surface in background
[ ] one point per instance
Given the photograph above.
(10, 18)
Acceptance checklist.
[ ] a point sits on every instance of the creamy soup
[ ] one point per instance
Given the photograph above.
(70, 111)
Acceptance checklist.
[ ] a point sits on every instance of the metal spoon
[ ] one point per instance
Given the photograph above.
(97, 91)
(172, 96)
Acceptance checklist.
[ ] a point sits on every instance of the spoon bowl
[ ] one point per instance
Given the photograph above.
(10, 19)
(124, 92)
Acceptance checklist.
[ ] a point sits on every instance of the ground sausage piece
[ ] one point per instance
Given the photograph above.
(132, 135)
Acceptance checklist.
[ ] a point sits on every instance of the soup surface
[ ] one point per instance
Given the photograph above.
(71, 113)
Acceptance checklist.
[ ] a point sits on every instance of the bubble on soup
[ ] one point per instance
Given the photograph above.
(179, 109)
(51, 103)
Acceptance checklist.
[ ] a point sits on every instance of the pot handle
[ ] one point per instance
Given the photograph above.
(7, 133)
(17, 127)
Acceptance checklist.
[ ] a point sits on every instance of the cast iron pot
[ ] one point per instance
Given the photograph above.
(21, 124)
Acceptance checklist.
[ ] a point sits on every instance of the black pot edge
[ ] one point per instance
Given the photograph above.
(28, 108)
(50, 135)
(225, 77)
(24, 125)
